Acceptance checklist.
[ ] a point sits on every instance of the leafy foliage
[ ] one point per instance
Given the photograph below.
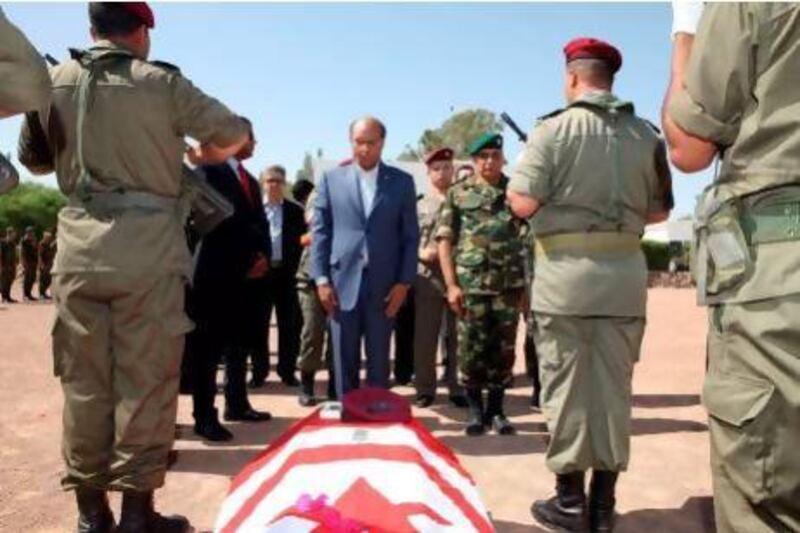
(31, 204)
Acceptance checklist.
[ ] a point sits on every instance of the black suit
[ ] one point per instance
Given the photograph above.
(220, 301)
(280, 292)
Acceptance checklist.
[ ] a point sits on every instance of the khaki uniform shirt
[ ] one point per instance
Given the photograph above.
(138, 115)
(24, 82)
(742, 92)
(595, 167)
(428, 208)
(488, 246)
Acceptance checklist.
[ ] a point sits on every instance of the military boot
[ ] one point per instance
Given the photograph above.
(306, 398)
(602, 500)
(475, 425)
(138, 516)
(495, 417)
(94, 514)
(566, 511)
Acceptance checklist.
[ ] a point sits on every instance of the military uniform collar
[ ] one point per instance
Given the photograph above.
(104, 48)
(602, 99)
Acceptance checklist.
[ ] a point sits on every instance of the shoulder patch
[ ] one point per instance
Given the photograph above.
(166, 66)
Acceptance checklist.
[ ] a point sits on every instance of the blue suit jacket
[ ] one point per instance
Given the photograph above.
(340, 231)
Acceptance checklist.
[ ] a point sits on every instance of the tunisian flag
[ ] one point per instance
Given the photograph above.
(330, 476)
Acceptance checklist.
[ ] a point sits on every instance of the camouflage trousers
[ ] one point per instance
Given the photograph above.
(753, 401)
(487, 334)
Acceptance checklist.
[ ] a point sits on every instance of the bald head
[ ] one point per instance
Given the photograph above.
(367, 135)
(368, 122)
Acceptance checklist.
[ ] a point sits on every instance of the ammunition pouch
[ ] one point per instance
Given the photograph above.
(208, 207)
(728, 232)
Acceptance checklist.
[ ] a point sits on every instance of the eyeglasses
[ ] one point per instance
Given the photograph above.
(275, 181)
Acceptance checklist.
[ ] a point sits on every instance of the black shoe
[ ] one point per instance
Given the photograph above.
(256, 383)
(9, 300)
(247, 415)
(423, 400)
(29, 298)
(138, 516)
(212, 430)
(458, 400)
(475, 425)
(495, 417)
(306, 398)
(566, 511)
(602, 501)
(94, 514)
(45, 296)
(402, 380)
(290, 380)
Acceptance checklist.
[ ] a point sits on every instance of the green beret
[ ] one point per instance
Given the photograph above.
(487, 140)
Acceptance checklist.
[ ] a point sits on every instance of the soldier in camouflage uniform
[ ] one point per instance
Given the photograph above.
(29, 256)
(47, 253)
(482, 257)
(8, 264)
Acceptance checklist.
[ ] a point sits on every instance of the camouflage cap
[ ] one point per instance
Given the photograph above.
(487, 140)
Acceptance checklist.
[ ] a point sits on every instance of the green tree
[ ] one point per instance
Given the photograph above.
(409, 153)
(457, 132)
(31, 204)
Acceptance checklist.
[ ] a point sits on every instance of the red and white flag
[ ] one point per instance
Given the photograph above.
(326, 476)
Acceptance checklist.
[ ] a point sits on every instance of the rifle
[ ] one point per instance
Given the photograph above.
(208, 207)
(523, 137)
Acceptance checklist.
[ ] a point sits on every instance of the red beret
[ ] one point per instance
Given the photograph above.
(142, 11)
(441, 154)
(589, 48)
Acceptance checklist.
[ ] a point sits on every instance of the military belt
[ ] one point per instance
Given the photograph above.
(774, 223)
(589, 243)
(120, 201)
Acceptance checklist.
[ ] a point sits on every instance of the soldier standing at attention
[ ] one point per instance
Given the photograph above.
(29, 256)
(47, 252)
(8, 265)
(114, 135)
(594, 174)
(433, 318)
(734, 92)
(482, 259)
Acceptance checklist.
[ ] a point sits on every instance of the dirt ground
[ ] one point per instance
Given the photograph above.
(667, 487)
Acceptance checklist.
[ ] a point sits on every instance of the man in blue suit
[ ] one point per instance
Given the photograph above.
(363, 254)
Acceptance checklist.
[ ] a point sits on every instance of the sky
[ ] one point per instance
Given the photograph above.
(302, 71)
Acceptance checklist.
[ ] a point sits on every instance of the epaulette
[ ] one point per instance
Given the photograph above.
(655, 128)
(166, 66)
(551, 114)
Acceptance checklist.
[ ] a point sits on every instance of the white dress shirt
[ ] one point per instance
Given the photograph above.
(369, 185)
(274, 213)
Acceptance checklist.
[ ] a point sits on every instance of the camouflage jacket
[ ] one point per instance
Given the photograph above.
(489, 244)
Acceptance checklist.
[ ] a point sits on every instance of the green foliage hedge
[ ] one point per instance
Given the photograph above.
(31, 204)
